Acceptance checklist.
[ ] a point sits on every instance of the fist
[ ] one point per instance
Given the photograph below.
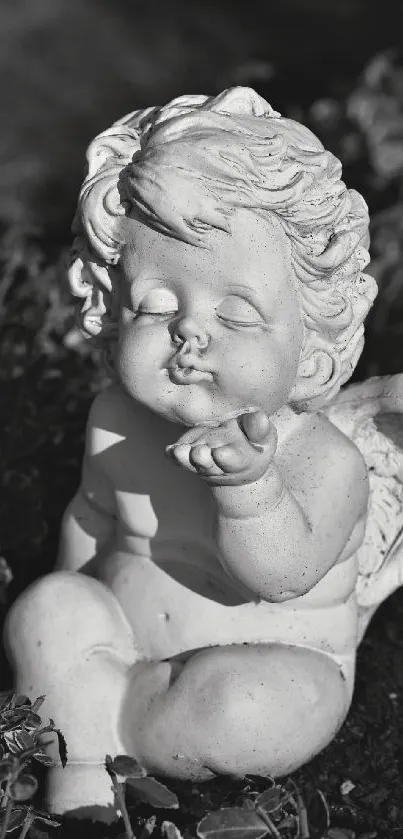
(236, 452)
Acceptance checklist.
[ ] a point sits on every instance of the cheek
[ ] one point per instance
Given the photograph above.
(139, 349)
(135, 362)
(261, 369)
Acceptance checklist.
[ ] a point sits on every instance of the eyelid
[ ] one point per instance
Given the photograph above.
(157, 298)
(234, 322)
(233, 299)
(247, 294)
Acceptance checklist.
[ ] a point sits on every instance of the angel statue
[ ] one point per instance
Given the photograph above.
(239, 517)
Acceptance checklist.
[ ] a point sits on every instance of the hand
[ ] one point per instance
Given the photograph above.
(234, 453)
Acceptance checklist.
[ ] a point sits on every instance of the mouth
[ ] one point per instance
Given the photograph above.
(188, 375)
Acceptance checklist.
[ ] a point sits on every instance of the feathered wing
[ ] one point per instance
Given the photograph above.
(371, 415)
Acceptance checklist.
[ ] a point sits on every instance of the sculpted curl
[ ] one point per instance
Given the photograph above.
(232, 151)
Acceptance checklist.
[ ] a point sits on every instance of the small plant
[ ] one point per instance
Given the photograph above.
(21, 745)
(278, 812)
(126, 774)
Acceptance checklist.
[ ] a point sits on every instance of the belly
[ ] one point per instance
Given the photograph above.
(175, 606)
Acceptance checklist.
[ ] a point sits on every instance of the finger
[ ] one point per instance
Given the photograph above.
(190, 437)
(230, 458)
(256, 426)
(179, 454)
(200, 457)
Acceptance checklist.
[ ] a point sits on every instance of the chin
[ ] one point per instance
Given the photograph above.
(192, 408)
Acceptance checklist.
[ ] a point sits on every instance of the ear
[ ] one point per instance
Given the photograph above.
(318, 376)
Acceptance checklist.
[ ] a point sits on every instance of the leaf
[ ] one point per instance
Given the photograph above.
(44, 759)
(62, 747)
(33, 721)
(232, 823)
(24, 740)
(170, 831)
(126, 766)
(17, 818)
(44, 817)
(23, 788)
(318, 815)
(20, 699)
(153, 792)
(271, 799)
(38, 704)
(9, 739)
(14, 717)
(5, 698)
(290, 790)
(7, 765)
(47, 820)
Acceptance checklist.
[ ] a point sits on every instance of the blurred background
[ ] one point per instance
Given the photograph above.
(71, 67)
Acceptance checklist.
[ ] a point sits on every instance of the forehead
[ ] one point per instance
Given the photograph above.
(255, 245)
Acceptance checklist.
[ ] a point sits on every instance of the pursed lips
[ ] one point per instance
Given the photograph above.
(187, 369)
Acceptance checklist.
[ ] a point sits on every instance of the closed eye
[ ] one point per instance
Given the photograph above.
(156, 314)
(236, 310)
(158, 303)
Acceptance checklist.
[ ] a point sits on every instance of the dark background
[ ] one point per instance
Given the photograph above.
(68, 68)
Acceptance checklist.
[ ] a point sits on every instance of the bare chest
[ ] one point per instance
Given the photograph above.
(158, 501)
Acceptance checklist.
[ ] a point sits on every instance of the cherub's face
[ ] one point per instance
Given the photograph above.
(205, 333)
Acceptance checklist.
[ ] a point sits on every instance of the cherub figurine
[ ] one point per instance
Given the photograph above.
(238, 520)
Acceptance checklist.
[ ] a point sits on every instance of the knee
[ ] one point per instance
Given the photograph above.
(266, 711)
(63, 614)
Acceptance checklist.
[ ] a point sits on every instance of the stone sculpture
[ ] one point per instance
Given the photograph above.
(239, 517)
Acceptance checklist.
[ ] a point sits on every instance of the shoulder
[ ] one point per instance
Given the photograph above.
(314, 434)
(318, 454)
(320, 435)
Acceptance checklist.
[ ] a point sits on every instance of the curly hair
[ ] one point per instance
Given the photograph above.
(231, 151)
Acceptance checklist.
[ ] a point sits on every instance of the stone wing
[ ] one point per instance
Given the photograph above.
(371, 415)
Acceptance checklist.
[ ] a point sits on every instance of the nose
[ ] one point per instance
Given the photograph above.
(187, 330)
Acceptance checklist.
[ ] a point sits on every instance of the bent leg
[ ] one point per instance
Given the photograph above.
(67, 638)
(264, 709)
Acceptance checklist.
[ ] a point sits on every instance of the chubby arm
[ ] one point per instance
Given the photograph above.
(281, 522)
(88, 524)
(281, 534)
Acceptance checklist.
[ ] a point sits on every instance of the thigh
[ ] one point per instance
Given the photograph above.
(264, 709)
(270, 707)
